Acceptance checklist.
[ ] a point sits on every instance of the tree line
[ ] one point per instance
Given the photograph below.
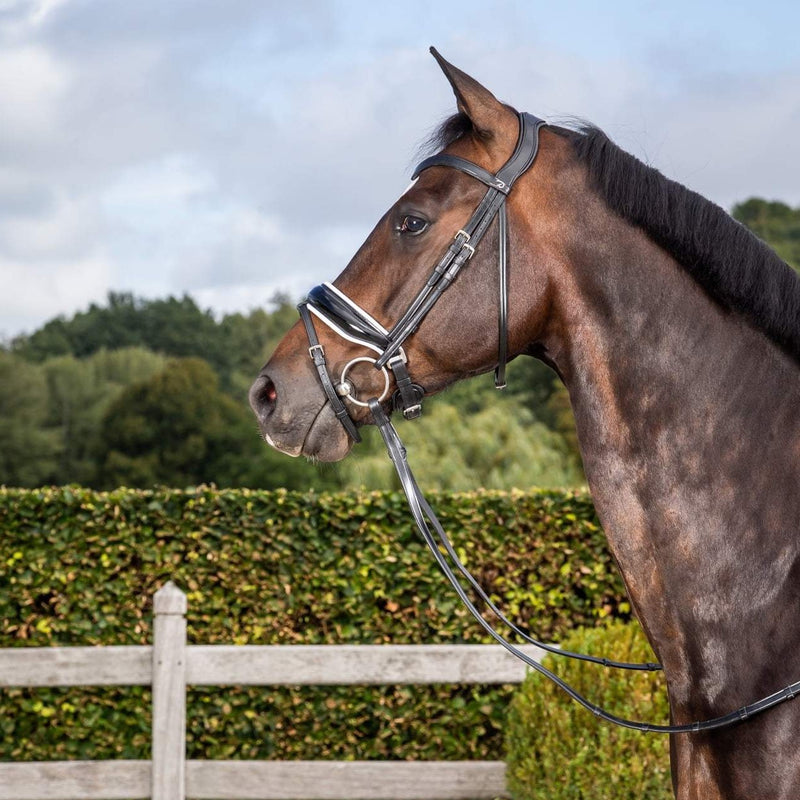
(143, 392)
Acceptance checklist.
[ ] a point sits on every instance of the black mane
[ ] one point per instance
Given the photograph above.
(736, 268)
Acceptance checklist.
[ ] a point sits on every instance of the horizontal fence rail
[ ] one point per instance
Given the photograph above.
(170, 665)
(266, 665)
(259, 780)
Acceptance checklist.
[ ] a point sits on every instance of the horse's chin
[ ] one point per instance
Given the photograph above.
(324, 440)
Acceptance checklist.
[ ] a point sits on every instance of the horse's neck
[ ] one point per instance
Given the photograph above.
(688, 425)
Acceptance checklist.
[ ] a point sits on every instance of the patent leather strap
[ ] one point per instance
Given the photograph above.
(346, 318)
(317, 354)
(349, 321)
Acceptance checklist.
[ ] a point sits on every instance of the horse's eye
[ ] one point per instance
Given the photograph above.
(413, 225)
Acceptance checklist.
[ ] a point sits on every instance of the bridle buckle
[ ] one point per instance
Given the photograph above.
(412, 412)
(465, 245)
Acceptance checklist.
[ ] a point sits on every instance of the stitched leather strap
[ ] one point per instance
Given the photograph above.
(317, 354)
(408, 397)
(525, 152)
(465, 242)
(502, 321)
(345, 311)
(456, 162)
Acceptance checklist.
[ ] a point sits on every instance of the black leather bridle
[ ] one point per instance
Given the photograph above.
(351, 322)
(347, 319)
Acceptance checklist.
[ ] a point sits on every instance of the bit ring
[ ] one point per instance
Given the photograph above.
(345, 388)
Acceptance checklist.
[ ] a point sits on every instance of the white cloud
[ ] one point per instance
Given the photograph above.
(65, 229)
(157, 195)
(740, 139)
(19, 18)
(31, 292)
(236, 149)
(33, 85)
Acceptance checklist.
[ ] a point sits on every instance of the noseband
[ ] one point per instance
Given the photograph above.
(351, 322)
(347, 319)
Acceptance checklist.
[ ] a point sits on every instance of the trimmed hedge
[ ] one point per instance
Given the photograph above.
(80, 567)
(558, 750)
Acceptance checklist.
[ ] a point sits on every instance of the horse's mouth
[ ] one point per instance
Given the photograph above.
(324, 439)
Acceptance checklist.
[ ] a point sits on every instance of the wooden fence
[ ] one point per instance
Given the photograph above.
(170, 665)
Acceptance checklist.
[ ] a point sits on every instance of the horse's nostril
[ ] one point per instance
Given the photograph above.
(263, 396)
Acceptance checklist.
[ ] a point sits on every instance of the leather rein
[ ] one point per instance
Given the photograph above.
(349, 321)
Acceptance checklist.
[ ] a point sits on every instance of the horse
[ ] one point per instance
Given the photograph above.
(677, 335)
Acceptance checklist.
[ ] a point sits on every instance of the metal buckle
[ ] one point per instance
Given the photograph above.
(412, 412)
(464, 244)
(400, 357)
(316, 347)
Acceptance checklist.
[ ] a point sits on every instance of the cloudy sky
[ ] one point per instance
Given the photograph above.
(235, 149)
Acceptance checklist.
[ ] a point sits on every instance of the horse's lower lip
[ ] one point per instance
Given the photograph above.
(294, 452)
(313, 449)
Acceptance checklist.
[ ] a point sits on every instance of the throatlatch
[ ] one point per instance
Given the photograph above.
(349, 321)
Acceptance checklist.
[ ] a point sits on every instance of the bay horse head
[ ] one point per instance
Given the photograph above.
(677, 334)
(355, 316)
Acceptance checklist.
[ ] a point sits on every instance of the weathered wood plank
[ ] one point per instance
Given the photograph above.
(169, 694)
(215, 665)
(73, 780)
(76, 666)
(258, 780)
(345, 780)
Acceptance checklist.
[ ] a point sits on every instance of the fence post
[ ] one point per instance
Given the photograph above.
(169, 694)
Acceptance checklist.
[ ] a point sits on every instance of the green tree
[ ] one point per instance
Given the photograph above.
(178, 428)
(120, 368)
(79, 392)
(175, 326)
(534, 384)
(251, 338)
(27, 450)
(501, 447)
(72, 409)
(776, 223)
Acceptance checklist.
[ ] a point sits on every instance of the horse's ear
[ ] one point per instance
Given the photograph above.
(488, 115)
